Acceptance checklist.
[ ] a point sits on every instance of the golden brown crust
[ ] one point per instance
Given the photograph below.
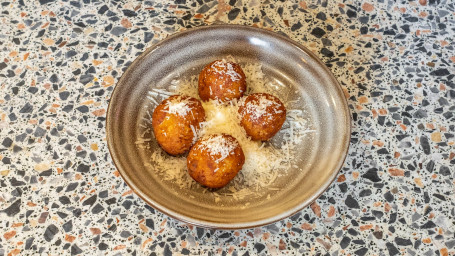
(261, 115)
(174, 129)
(215, 170)
(221, 80)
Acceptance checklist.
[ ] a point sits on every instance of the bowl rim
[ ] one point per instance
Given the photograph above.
(218, 225)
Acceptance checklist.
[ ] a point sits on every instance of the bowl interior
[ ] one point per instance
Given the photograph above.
(307, 83)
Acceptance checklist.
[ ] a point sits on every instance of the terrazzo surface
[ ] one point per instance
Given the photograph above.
(61, 194)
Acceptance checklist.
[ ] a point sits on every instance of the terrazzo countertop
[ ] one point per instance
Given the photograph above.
(61, 194)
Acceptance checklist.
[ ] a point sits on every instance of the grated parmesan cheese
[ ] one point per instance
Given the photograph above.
(264, 161)
(218, 145)
(258, 110)
(178, 105)
(223, 67)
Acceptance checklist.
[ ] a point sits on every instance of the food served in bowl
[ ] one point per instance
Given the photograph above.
(221, 80)
(261, 115)
(175, 123)
(280, 176)
(215, 160)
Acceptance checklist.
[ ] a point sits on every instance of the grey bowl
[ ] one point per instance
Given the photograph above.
(283, 61)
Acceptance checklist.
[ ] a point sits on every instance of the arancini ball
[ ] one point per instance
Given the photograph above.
(215, 160)
(176, 122)
(221, 80)
(261, 115)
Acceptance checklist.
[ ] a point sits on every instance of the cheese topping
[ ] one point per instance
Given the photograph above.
(264, 161)
(223, 67)
(259, 109)
(179, 106)
(218, 146)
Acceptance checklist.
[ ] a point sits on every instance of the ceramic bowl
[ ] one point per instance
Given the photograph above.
(308, 82)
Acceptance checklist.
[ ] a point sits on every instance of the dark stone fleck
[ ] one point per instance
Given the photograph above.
(351, 202)
(326, 52)
(389, 32)
(358, 70)
(440, 72)
(83, 168)
(90, 201)
(351, 13)
(148, 37)
(383, 151)
(13, 209)
(71, 53)
(29, 242)
(50, 232)
(225, 235)
(420, 114)
(102, 246)
(343, 187)
(365, 192)
(372, 174)
(203, 9)
(150, 224)
(127, 204)
(388, 196)
(64, 200)
(53, 78)
(129, 13)
(125, 234)
(402, 241)
(199, 232)
(68, 226)
(429, 224)
(377, 214)
(6, 160)
(45, 1)
(27, 108)
(16, 149)
(361, 251)
(296, 26)
(103, 9)
(14, 182)
(81, 138)
(450, 244)
(7, 142)
(71, 186)
(439, 196)
(321, 16)
(111, 201)
(345, 242)
(39, 132)
(103, 194)
(64, 95)
(233, 13)
(392, 249)
(377, 234)
(444, 170)
(85, 79)
(259, 247)
(318, 32)
(430, 165)
(62, 215)
(67, 108)
(167, 251)
(425, 144)
(75, 250)
(97, 209)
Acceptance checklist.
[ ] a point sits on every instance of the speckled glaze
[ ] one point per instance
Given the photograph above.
(61, 194)
(311, 87)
